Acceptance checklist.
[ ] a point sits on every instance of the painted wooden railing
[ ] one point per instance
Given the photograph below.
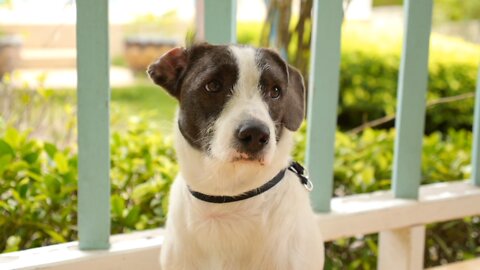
(399, 215)
(93, 93)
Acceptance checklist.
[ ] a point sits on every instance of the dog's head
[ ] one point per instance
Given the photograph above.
(236, 102)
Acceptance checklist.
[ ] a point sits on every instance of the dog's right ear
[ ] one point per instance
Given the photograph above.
(166, 70)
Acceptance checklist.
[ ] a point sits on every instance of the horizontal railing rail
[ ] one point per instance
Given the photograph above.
(398, 215)
(349, 216)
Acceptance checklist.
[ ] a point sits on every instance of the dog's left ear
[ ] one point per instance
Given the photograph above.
(295, 96)
(166, 70)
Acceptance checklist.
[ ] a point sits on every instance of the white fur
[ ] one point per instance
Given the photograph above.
(274, 230)
(245, 103)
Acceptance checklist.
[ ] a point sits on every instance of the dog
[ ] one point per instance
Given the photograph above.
(236, 204)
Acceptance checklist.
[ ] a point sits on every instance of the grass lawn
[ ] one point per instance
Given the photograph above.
(50, 114)
(140, 100)
(143, 100)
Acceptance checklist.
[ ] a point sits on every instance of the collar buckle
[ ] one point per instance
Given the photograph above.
(309, 185)
(299, 170)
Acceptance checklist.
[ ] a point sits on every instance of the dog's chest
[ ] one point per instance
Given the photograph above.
(238, 223)
(230, 236)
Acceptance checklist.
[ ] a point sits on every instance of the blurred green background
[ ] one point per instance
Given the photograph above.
(38, 162)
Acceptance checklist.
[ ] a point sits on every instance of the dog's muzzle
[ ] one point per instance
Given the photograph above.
(252, 136)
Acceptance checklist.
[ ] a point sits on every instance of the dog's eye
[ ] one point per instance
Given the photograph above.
(212, 86)
(275, 92)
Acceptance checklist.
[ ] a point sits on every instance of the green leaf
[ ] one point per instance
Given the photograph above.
(35, 176)
(13, 137)
(18, 165)
(13, 243)
(61, 161)
(55, 236)
(51, 149)
(372, 245)
(52, 184)
(4, 205)
(142, 190)
(165, 201)
(17, 197)
(5, 148)
(133, 216)
(118, 204)
(4, 162)
(23, 187)
(31, 157)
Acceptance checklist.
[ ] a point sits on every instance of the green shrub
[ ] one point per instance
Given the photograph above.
(369, 74)
(38, 187)
(363, 163)
(143, 167)
(444, 10)
(455, 10)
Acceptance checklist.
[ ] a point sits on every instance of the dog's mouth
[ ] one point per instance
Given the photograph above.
(242, 157)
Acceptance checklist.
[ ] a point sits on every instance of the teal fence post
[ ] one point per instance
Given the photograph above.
(219, 21)
(323, 99)
(93, 124)
(411, 96)
(476, 137)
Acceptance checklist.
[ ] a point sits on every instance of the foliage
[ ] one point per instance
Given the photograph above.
(37, 192)
(38, 188)
(51, 113)
(445, 10)
(143, 99)
(363, 163)
(142, 169)
(288, 28)
(249, 33)
(456, 10)
(38, 108)
(387, 2)
(369, 78)
(119, 61)
(150, 25)
(451, 241)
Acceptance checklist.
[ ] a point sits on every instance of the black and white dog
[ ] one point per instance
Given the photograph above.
(234, 204)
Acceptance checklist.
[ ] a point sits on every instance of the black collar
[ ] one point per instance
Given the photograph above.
(294, 167)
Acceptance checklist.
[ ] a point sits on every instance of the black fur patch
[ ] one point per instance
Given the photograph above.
(184, 73)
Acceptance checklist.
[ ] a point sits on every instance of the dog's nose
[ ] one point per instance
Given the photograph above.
(253, 136)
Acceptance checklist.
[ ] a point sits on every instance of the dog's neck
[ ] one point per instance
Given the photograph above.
(204, 174)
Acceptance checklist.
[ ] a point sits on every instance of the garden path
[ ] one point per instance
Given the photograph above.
(66, 78)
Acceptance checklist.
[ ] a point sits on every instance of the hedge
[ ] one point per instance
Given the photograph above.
(369, 73)
(38, 188)
(363, 163)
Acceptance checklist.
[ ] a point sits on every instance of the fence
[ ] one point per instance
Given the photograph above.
(398, 215)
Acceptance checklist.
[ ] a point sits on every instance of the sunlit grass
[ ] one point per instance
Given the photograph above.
(140, 100)
(51, 114)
